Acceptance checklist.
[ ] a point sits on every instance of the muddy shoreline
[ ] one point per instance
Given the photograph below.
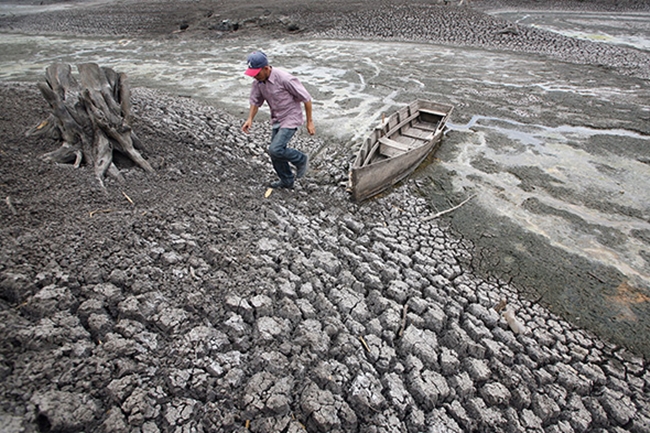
(197, 308)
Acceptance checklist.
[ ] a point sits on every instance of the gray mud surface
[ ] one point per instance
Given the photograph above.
(186, 301)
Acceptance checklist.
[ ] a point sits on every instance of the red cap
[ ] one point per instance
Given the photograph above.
(256, 61)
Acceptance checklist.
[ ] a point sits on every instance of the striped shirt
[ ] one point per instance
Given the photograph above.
(284, 93)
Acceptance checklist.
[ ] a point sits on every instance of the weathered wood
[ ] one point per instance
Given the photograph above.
(394, 149)
(91, 117)
(418, 133)
(390, 148)
(446, 211)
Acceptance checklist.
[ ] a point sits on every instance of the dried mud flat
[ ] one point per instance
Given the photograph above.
(188, 302)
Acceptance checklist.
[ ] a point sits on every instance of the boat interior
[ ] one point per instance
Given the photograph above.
(403, 132)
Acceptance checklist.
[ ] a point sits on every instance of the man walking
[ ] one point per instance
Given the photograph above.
(284, 93)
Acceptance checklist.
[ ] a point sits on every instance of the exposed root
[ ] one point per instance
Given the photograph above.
(91, 117)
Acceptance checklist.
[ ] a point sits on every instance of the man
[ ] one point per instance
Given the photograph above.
(284, 93)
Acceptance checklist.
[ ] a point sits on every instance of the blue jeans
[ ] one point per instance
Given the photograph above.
(281, 155)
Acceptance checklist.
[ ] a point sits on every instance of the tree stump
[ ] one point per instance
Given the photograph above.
(91, 117)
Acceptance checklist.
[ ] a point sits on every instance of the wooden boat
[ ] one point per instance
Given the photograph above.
(396, 147)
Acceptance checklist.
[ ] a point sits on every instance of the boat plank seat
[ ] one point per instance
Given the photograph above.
(434, 112)
(418, 133)
(391, 148)
(426, 126)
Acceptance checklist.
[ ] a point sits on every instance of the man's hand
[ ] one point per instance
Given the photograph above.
(310, 127)
(249, 122)
(247, 126)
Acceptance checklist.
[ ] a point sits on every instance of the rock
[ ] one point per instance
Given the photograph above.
(140, 407)
(320, 409)
(488, 316)
(593, 372)
(544, 407)
(421, 343)
(416, 420)
(170, 319)
(311, 335)
(11, 424)
(476, 331)
(50, 299)
(462, 385)
(179, 411)
(171, 258)
(326, 261)
(398, 290)
(618, 406)
(449, 362)
(478, 370)
(115, 422)
(15, 287)
(206, 340)
(262, 304)
(265, 395)
(428, 388)
(365, 394)
(240, 306)
(439, 420)
(64, 411)
(434, 318)
(100, 325)
(456, 338)
(495, 394)
(598, 414)
(269, 328)
(521, 397)
(458, 412)
(397, 393)
(529, 420)
(121, 388)
(488, 418)
(580, 418)
(332, 375)
(119, 278)
(236, 326)
(570, 379)
(133, 307)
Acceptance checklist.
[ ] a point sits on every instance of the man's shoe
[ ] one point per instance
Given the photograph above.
(302, 168)
(279, 184)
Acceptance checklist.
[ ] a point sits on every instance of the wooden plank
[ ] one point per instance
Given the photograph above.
(392, 148)
(403, 140)
(445, 109)
(371, 153)
(399, 125)
(426, 126)
(396, 119)
(390, 151)
(419, 138)
(394, 143)
(418, 133)
(435, 113)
